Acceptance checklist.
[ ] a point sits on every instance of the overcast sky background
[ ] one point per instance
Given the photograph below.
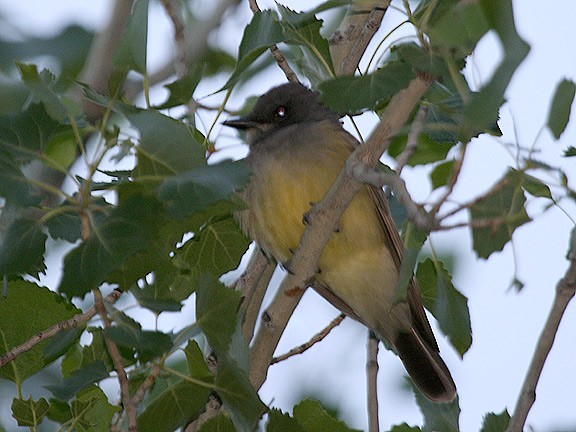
(505, 324)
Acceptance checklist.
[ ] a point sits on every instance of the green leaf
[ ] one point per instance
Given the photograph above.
(570, 151)
(42, 87)
(182, 89)
(22, 249)
(182, 402)
(59, 411)
(131, 52)
(61, 151)
(405, 428)
(441, 173)
(438, 416)
(14, 186)
(303, 29)
(314, 418)
(167, 146)
(239, 397)
(371, 91)
(80, 379)
(65, 225)
(79, 357)
(27, 310)
(561, 107)
(216, 313)
(126, 230)
(216, 249)
(504, 205)
(446, 303)
(220, 423)
(91, 407)
(282, 422)
(422, 60)
(61, 343)
(148, 344)
(536, 187)
(194, 190)
(262, 32)
(482, 109)
(496, 422)
(29, 412)
(413, 239)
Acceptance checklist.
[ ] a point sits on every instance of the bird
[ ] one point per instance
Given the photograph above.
(296, 148)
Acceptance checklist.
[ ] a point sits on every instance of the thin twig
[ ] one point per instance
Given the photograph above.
(412, 140)
(451, 182)
(372, 378)
(314, 340)
(276, 53)
(565, 290)
(71, 323)
(146, 385)
(129, 406)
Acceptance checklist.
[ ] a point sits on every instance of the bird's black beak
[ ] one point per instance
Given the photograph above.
(241, 123)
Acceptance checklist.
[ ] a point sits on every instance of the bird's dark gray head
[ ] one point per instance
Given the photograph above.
(282, 106)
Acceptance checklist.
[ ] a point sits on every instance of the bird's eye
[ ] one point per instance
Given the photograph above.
(280, 112)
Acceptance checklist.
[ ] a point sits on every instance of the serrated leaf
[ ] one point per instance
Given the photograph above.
(438, 416)
(422, 60)
(80, 379)
(304, 30)
(482, 109)
(371, 91)
(167, 146)
(131, 52)
(496, 422)
(239, 397)
(561, 107)
(182, 402)
(14, 186)
(216, 249)
(126, 230)
(22, 249)
(29, 412)
(65, 225)
(447, 304)
(262, 32)
(405, 428)
(314, 418)
(59, 411)
(42, 87)
(282, 422)
(441, 173)
(194, 190)
(505, 206)
(91, 407)
(27, 310)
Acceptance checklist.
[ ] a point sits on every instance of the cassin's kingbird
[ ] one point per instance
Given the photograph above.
(297, 149)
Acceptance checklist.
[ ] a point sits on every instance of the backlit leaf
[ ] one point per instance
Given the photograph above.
(561, 107)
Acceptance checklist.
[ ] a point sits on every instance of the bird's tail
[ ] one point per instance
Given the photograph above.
(425, 366)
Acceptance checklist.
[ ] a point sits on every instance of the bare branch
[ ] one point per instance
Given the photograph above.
(314, 340)
(351, 38)
(73, 322)
(412, 140)
(253, 284)
(129, 406)
(565, 290)
(372, 378)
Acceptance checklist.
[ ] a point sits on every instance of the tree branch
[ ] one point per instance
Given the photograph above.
(73, 322)
(313, 341)
(351, 38)
(565, 290)
(129, 406)
(372, 379)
